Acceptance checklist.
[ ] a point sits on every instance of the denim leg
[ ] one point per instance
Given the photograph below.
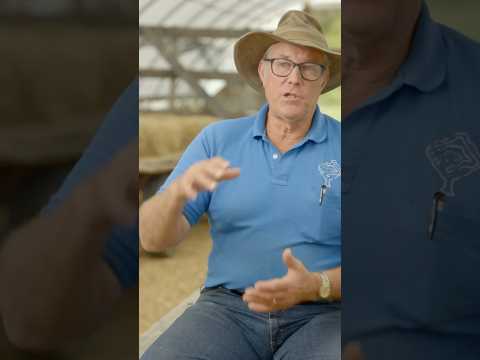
(319, 339)
(208, 330)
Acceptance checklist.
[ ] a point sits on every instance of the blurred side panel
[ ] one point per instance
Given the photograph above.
(64, 64)
(410, 168)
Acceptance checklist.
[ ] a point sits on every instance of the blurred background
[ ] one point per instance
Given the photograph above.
(187, 80)
(63, 65)
(461, 15)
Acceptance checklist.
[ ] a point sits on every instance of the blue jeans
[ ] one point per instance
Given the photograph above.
(219, 326)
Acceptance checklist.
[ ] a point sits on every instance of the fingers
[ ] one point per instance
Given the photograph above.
(267, 296)
(203, 181)
(353, 351)
(281, 293)
(218, 169)
(189, 191)
(205, 176)
(264, 308)
(273, 286)
(230, 173)
(265, 302)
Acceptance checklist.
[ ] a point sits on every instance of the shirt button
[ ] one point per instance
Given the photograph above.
(275, 156)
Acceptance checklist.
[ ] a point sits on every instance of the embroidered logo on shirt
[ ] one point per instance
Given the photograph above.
(453, 158)
(330, 170)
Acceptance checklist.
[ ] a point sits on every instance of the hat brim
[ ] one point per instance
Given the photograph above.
(250, 49)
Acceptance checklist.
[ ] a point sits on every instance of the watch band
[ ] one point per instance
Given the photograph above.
(325, 287)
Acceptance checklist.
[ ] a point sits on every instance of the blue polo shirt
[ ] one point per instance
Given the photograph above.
(417, 137)
(273, 205)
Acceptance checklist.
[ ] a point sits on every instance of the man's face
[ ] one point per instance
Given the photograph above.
(292, 98)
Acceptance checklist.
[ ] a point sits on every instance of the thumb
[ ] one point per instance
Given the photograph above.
(353, 352)
(231, 173)
(291, 261)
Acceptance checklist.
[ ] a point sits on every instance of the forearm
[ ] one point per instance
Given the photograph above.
(52, 275)
(162, 223)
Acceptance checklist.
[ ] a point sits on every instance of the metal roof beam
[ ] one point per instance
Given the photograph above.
(163, 31)
(169, 54)
(149, 98)
(197, 75)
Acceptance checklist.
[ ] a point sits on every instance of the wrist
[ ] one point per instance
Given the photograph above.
(176, 192)
(314, 288)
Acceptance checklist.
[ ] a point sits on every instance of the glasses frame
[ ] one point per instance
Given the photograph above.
(299, 65)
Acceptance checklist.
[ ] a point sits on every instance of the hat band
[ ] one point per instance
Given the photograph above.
(304, 37)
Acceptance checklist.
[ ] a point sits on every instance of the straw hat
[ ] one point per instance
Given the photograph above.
(295, 27)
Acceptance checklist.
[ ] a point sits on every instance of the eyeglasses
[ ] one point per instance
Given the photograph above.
(284, 67)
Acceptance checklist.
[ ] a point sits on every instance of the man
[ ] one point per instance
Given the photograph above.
(270, 184)
(62, 272)
(410, 215)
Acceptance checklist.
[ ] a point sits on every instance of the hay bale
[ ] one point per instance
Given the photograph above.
(166, 134)
(158, 164)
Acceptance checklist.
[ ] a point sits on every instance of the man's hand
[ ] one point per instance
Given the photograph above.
(353, 351)
(162, 224)
(297, 286)
(75, 289)
(204, 176)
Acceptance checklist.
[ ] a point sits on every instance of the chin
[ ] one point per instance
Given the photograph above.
(294, 116)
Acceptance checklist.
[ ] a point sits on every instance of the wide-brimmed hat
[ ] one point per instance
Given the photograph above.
(295, 27)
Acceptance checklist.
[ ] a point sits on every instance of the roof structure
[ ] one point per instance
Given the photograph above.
(186, 51)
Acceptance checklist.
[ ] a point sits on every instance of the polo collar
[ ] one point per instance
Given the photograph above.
(316, 134)
(425, 67)
(258, 129)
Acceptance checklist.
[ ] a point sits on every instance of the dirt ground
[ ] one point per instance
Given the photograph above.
(168, 279)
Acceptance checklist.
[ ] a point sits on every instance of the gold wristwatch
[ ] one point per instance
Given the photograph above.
(325, 290)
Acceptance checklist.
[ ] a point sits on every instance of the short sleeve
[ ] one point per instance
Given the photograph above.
(198, 150)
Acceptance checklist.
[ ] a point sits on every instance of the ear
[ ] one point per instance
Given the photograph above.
(261, 71)
(326, 78)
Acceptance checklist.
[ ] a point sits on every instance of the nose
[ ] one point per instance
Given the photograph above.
(295, 76)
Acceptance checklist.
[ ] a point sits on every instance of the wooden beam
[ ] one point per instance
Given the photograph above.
(169, 54)
(205, 75)
(167, 97)
(159, 164)
(163, 31)
(176, 112)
